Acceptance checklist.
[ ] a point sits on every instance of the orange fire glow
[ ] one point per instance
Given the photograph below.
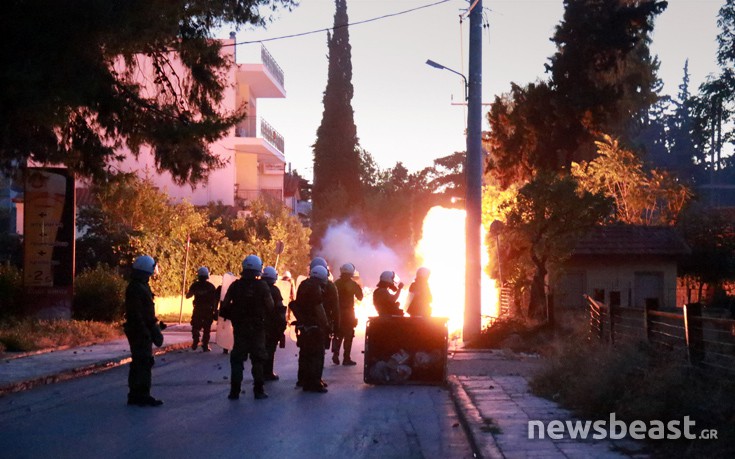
(442, 250)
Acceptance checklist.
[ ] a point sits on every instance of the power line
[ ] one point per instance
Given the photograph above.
(385, 16)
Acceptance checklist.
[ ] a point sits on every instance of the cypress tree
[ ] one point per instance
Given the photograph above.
(337, 189)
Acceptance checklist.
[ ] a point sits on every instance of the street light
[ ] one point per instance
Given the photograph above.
(436, 65)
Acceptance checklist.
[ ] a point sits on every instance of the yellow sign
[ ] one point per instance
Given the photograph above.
(45, 196)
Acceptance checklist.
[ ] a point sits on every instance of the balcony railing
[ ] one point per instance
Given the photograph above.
(271, 135)
(265, 131)
(271, 65)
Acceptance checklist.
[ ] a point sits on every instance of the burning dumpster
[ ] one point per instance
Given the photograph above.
(406, 350)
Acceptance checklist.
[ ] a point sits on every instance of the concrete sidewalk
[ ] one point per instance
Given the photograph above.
(25, 371)
(494, 410)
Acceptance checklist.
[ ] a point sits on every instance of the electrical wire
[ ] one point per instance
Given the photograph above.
(385, 16)
(474, 4)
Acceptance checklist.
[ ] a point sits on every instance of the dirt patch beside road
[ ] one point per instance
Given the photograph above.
(496, 362)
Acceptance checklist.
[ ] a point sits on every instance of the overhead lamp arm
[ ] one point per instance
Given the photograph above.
(437, 65)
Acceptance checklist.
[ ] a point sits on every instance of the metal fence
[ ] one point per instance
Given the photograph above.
(270, 63)
(703, 341)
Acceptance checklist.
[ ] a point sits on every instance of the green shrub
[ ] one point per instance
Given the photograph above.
(99, 294)
(11, 289)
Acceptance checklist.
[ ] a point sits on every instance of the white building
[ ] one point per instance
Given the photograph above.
(253, 151)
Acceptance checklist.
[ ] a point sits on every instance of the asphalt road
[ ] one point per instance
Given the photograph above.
(88, 417)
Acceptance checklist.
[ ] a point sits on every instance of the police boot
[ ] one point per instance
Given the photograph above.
(234, 391)
(347, 361)
(335, 358)
(150, 401)
(259, 392)
(143, 400)
(194, 343)
(205, 347)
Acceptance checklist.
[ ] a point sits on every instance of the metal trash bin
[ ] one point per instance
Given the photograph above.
(406, 350)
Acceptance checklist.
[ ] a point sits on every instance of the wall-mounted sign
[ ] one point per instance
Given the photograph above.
(48, 268)
(272, 168)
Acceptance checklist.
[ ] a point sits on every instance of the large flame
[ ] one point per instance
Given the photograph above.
(442, 250)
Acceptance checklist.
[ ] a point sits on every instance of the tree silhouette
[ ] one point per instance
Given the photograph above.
(337, 190)
(602, 78)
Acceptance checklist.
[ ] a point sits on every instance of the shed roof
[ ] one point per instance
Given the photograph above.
(631, 240)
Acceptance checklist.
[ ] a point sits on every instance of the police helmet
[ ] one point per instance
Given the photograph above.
(252, 263)
(347, 268)
(423, 273)
(320, 273)
(318, 261)
(387, 276)
(270, 274)
(203, 272)
(145, 263)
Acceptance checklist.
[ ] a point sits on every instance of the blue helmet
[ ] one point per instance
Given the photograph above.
(318, 261)
(347, 268)
(320, 273)
(252, 263)
(270, 274)
(388, 276)
(145, 263)
(203, 272)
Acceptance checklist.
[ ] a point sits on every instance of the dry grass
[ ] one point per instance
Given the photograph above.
(171, 319)
(25, 335)
(640, 382)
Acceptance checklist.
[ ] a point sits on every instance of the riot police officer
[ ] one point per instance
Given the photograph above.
(142, 331)
(275, 323)
(385, 302)
(331, 301)
(206, 297)
(312, 327)
(247, 303)
(348, 290)
(419, 303)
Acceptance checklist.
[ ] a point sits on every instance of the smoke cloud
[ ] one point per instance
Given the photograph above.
(342, 243)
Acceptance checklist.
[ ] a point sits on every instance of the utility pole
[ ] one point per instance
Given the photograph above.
(473, 173)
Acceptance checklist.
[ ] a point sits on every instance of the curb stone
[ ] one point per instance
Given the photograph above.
(483, 443)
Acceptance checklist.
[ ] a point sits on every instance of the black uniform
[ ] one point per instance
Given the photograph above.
(420, 305)
(313, 328)
(206, 297)
(275, 327)
(348, 290)
(142, 330)
(331, 308)
(247, 303)
(386, 302)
